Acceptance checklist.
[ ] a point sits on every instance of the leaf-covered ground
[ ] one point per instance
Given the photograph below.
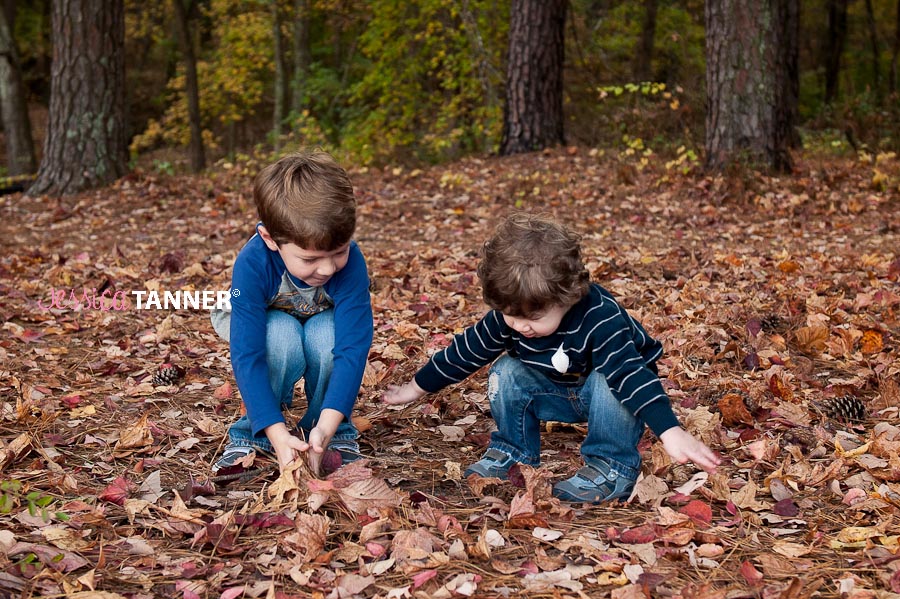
(773, 298)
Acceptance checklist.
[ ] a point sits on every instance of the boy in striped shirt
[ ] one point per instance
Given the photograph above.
(572, 354)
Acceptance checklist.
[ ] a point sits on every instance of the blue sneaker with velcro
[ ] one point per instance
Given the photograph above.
(595, 482)
(494, 464)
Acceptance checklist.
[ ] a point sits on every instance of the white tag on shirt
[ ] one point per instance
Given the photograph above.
(560, 360)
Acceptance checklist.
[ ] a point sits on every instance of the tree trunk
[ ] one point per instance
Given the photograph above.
(895, 52)
(281, 88)
(643, 58)
(873, 45)
(86, 143)
(747, 115)
(834, 46)
(533, 111)
(302, 54)
(787, 72)
(16, 124)
(192, 86)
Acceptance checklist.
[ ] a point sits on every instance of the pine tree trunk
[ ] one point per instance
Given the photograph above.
(533, 111)
(192, 85)
(643, 57)
(17, 125)
(747, 117)
(834, 46)
(86, 143)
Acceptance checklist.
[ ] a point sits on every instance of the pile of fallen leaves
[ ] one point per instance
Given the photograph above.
(776, 299)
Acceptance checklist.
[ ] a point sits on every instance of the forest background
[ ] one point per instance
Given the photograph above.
(411, 82)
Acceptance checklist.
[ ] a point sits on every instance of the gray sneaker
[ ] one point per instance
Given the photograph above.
(595, 482)
(494, 464)
(231, 456)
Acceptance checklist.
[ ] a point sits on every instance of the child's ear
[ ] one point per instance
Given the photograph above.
(267, 239)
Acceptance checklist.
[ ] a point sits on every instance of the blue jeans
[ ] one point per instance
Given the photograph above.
(294, 350)
(521, 397)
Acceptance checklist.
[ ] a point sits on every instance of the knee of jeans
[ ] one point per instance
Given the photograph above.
(502, 378)
(284, 340)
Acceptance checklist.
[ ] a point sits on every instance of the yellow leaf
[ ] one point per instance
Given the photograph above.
(856, 534)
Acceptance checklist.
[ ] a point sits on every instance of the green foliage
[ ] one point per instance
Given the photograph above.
(601, 46)
(233, 77)
(11, 497)
(431, 86)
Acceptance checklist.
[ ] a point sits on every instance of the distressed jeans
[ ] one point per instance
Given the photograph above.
(294, 350)
(521, 397)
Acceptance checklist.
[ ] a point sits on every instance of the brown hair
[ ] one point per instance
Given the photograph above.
(531, 264)
(306, 199)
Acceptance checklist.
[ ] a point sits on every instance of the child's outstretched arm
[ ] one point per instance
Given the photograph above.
(397, 395)
(684, 447)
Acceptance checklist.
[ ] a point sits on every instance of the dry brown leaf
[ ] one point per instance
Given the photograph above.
(135, 436)
(811, 340)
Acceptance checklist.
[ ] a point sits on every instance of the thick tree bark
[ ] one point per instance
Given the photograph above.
(749, 116)
(302, 54)
(533, 111)
(16, 124)
(86, 143)
(643, 58)
(834, 46)
(192, 86)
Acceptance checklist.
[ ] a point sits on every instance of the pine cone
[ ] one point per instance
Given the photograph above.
(845, 408)
(167, 374)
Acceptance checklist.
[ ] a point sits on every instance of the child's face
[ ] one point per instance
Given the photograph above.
(313, 267)
(540, 326)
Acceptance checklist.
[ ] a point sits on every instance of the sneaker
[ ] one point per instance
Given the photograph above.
(596, 482)
(230, 457)
(494, 464)
(348, 450)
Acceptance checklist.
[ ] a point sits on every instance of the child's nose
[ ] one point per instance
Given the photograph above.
(327, 268)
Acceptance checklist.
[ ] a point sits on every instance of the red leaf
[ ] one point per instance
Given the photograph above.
(423, 577)
(786, 507)
(223, 392)
(698, 511)
(641, 534)
(751, 574)
(117, 491)
(71, 400)
(263, 519)
(895, 581)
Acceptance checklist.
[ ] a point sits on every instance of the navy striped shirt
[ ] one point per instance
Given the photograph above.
(596, 334)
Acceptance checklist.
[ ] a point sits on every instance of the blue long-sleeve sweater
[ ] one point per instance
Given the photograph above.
(259, 282)
(596, 334)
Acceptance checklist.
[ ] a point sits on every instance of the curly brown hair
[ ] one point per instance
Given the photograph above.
(306, 199)
(530, 264)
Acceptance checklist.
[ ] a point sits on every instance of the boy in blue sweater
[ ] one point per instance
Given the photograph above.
(300, 308)
(573, 354)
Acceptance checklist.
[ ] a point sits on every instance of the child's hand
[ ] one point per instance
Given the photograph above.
(287, 447)
(315, 448)
(319, 438)
(684, 447)
(403, 394)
